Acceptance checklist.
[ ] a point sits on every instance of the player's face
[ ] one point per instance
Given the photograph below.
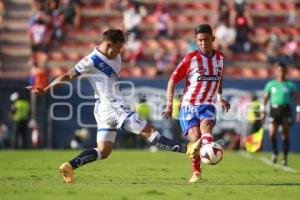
(204, 41)
(114, 49)
(280, 72)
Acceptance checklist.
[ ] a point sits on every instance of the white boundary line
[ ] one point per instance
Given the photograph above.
(268, 162)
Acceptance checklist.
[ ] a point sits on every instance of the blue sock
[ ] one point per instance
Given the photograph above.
(163, 143)
(85, 157)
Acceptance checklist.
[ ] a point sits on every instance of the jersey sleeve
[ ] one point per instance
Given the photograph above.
(181, 70)
(84, 66)
(293, 87)
(267, 88)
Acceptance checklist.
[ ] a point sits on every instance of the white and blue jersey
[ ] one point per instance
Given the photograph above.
(111, 111)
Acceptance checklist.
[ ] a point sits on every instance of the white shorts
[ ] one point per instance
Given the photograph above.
(113, 117)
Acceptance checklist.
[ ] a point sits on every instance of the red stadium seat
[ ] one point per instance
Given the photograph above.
(55, 55)
(149, 71)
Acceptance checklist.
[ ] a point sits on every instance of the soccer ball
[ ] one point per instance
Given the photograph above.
(211, 153)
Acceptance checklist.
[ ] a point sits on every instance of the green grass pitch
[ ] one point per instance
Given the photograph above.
(134, 174)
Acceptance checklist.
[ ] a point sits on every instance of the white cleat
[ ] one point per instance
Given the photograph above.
(195, 178)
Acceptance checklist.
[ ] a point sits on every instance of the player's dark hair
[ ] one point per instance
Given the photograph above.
(114, 35)
(203, 28)
(281, 65)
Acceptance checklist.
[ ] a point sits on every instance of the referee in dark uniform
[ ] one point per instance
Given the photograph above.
(280, 93)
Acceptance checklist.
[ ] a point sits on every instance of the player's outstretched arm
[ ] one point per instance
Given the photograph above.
(72, 74)
(167, 113)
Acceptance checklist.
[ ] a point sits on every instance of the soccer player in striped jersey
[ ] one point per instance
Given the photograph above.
(203, 71)
(112, 112)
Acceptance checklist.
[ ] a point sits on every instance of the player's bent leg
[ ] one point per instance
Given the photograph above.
(206, 127)
(105, 140)
(160, 141)
(105, 149)
(193, 147)
(134, 124)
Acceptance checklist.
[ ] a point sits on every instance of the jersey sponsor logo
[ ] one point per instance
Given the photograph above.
(209, 78)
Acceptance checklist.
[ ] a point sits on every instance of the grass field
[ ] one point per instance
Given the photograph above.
(142, 175)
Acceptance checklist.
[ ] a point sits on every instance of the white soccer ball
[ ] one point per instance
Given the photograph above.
(211, 153)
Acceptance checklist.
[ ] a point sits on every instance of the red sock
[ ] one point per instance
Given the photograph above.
(206, 138)
(196, 164)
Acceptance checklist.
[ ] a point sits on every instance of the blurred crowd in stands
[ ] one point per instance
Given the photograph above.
(157, 37)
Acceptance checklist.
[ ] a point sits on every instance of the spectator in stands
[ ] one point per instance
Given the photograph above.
(163, 22)
(225, 37)
(40, 34)
(71, 12)
(132, 16)
(166, 59)
(56, 21)
(134, 50)
(1, 11)
(242, 20)
(20, 110)
(289, 50)
(292, 14)
(273, 46)
(224, 11)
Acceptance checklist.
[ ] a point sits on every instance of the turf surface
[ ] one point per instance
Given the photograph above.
(127, 175)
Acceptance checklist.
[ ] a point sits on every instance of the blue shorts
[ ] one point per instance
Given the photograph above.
(190, 116)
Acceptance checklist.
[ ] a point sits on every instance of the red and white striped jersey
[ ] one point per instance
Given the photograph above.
(202, 77)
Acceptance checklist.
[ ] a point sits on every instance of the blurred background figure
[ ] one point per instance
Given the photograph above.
(20, 113)
(273, 46)
(242, 21)
(4, 136)
(163, 23)
(253, 115)
(40, 35)
(133, 14)
(80, 139)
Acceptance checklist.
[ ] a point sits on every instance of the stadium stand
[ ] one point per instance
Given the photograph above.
(278, 17)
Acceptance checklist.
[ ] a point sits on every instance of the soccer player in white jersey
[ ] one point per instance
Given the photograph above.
(202, 70)
(111, 111)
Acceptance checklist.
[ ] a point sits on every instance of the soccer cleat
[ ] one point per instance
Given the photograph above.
(195, 177)
(66, 171)
(274, 158)
(193, 148)
(285, 162)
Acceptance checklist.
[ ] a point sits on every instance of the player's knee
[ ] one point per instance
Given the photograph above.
(105, 149)
(105, 153)
(206, 125)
